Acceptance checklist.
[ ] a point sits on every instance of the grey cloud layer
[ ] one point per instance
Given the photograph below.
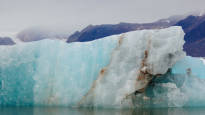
(75, 14)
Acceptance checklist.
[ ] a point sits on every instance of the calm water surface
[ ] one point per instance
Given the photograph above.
(69, 111)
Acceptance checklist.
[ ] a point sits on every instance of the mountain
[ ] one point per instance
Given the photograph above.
(194, 27)
(92, 32)
(38, 33)
(6, 41)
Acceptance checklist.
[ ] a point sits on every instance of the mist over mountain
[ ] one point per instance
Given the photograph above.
(38, 33)
(193, 25)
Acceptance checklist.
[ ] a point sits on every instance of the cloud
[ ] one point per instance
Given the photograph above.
(71, 15)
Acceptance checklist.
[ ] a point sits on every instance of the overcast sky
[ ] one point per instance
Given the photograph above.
(75, 14)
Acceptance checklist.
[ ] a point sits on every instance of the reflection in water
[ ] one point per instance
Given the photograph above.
(69, 111)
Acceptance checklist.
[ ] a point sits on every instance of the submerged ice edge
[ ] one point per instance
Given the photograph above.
(112, 72)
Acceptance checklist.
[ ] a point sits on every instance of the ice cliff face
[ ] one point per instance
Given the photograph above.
(138, 57)
(115, 71)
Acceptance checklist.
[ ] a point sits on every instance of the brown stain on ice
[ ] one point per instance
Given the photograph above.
(145, 74)
(89, 93)
(143, 71)
(101, 75)
(102, 71)
(143, 78)
(120, 40)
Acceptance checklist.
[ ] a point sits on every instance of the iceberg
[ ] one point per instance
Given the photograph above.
(146, 68)
(181, 86)
(196, 65)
